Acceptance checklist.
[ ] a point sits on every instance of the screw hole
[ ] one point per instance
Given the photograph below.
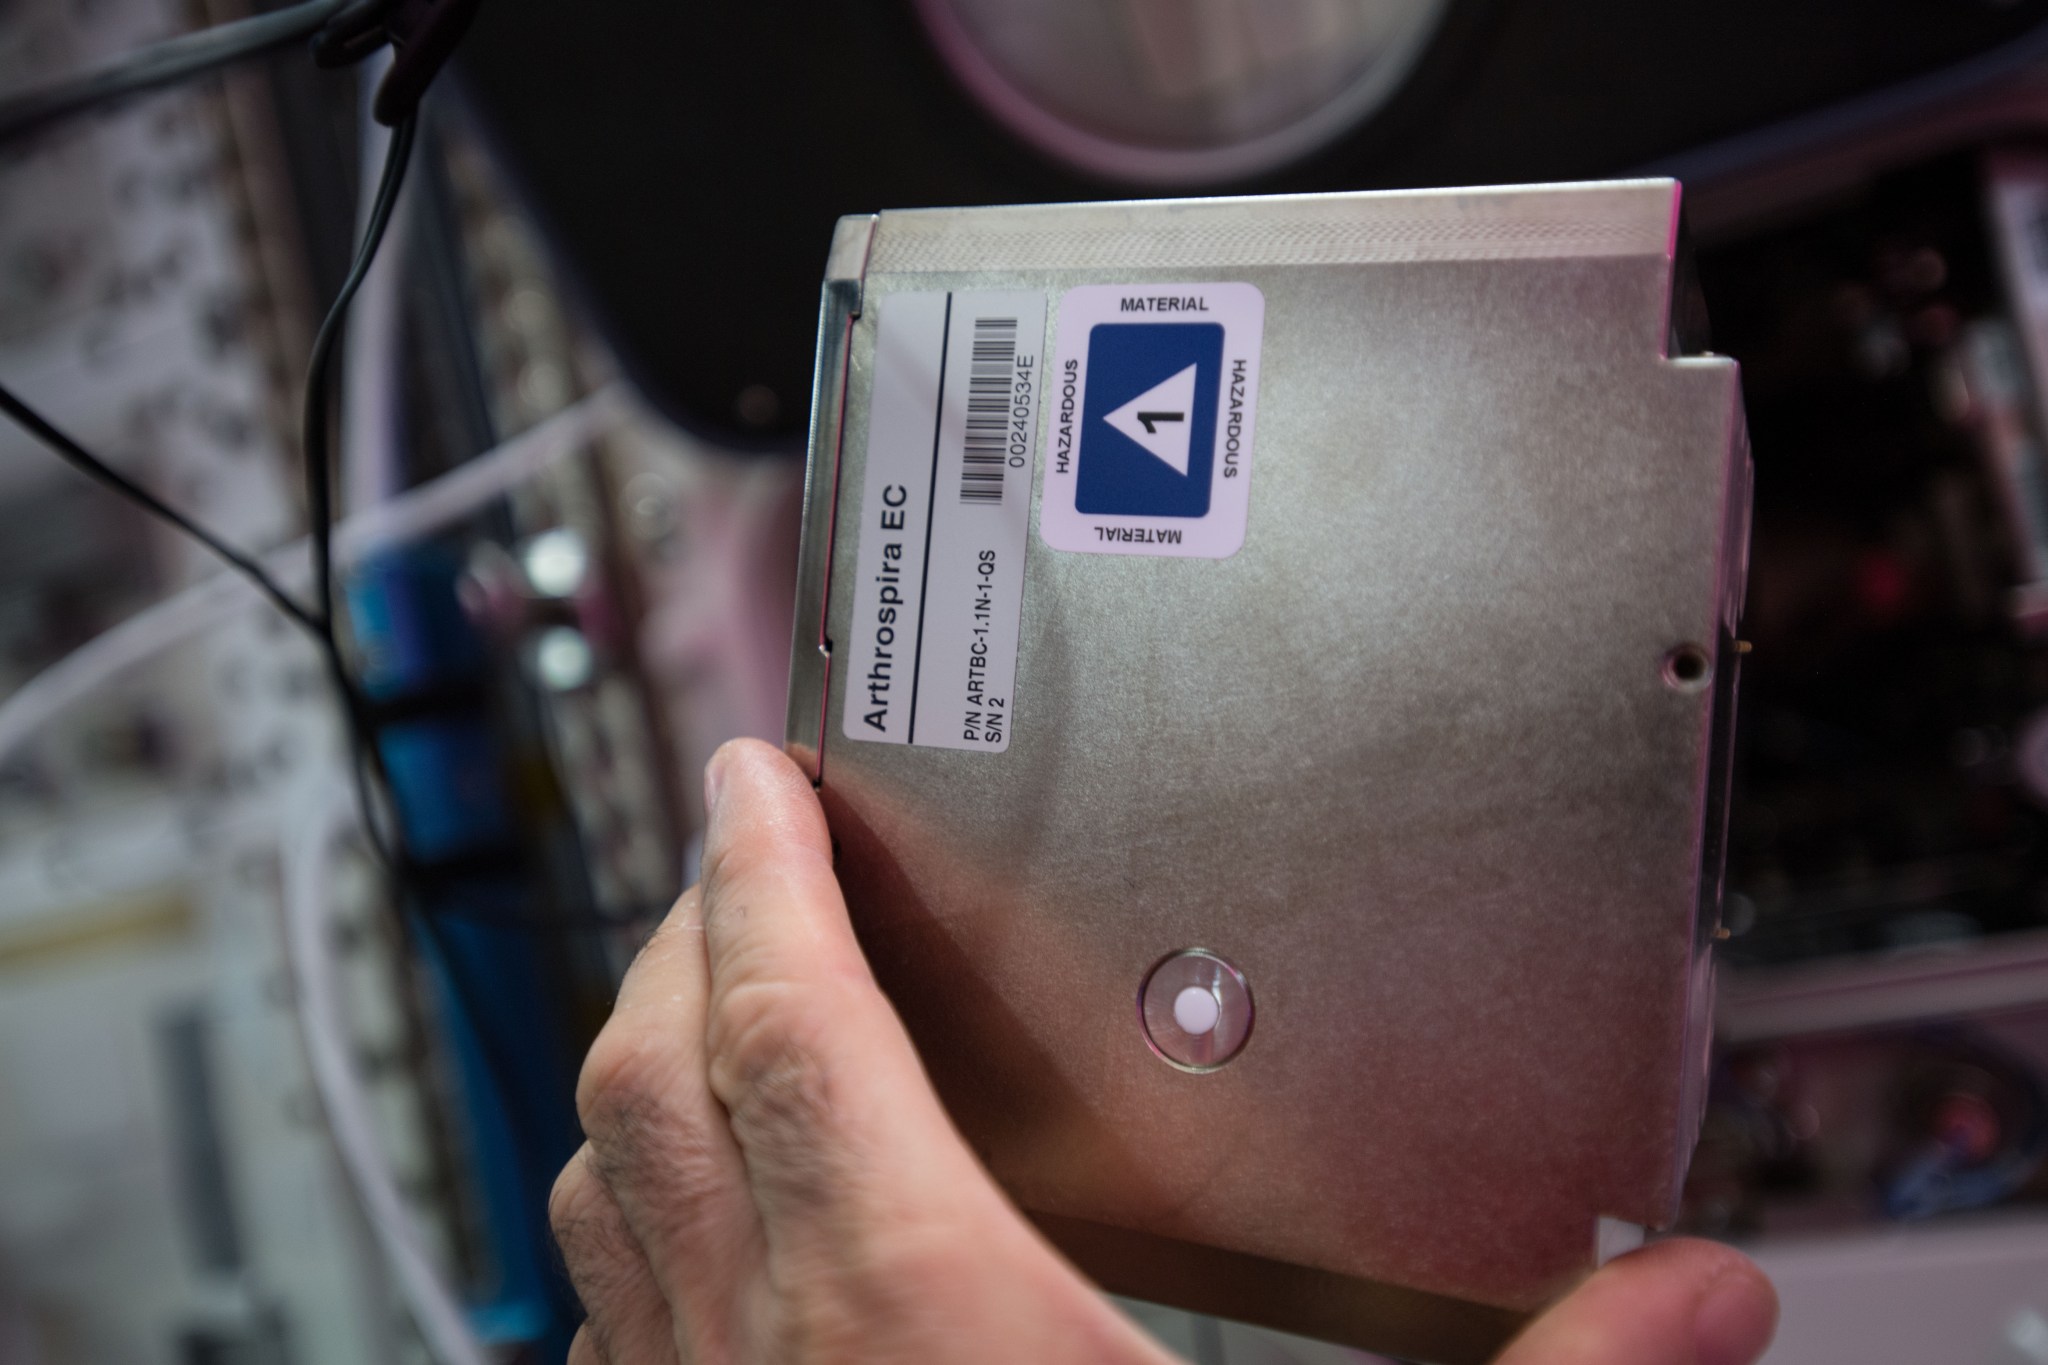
(1688, 668)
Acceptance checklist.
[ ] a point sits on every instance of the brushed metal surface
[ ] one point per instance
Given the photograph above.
(1409, 759)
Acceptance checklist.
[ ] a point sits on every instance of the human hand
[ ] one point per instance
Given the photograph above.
(769, 1176)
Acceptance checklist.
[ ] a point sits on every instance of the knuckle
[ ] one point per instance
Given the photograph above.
(758, 1037)
(624, 1073)
(768, 1073)
(632, 1136)
(596, 1250)
(653, 1153)
(572, 1201)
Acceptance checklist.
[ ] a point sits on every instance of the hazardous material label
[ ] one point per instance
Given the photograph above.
(944, 519)
(1152, 394)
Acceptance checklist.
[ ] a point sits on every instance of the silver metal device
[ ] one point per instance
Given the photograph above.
(1268, 665)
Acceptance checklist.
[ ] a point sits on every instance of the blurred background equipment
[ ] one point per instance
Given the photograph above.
(727, 153)
(1177, 94)
(184, 1174)
(560, 601)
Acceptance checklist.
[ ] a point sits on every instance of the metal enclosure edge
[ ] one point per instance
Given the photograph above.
(810, 656)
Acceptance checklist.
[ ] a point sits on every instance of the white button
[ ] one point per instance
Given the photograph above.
(1195, 1009)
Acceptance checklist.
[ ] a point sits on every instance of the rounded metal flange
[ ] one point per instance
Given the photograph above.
(1195, 1009)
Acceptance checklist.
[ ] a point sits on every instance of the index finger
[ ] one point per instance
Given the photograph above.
(660, 1155)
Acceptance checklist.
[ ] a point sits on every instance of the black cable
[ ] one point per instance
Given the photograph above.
(83, 460)
(162, 64)
(314, 428)
(364, 757)
(319, 620)
(354, 707)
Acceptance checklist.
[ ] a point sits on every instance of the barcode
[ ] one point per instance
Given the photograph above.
(985, 455)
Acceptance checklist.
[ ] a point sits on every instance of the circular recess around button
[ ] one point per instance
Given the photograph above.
(1196, 1010)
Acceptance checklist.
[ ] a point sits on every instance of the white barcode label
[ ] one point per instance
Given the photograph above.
(991, 385)
(945, 519)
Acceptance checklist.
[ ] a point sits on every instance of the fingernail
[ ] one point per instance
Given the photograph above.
(1735, 1322)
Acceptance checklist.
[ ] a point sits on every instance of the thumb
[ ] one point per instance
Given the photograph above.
(826, 1096)
(1681, 1302)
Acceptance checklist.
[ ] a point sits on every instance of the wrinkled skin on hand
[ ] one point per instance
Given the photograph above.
(769, 1176)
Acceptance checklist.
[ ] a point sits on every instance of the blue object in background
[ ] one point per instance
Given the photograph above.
(424, 668)
(448, 785)
(411, 634)
(509, 1060)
